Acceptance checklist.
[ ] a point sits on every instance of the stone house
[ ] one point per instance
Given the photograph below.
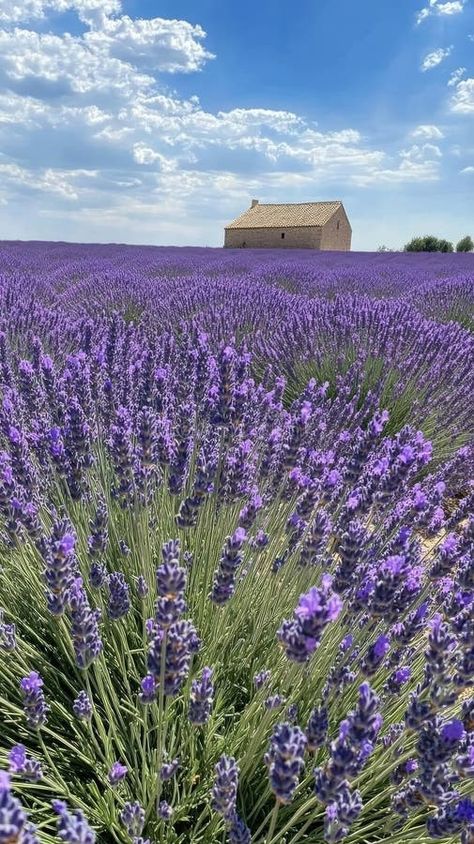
(301, 225)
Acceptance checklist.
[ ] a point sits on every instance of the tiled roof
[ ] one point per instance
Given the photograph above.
(263, 216)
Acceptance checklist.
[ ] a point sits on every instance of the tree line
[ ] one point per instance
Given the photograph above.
(430, 243)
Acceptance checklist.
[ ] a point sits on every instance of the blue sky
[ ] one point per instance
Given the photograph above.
(156, 121)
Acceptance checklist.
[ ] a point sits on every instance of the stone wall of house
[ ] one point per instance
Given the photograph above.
(337, 233)
(296, 237)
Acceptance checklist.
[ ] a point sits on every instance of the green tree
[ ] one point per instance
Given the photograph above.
(445, 246)
(466, 244)
(428, 243)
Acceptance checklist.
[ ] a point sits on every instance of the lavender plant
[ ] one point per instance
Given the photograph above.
(227, 616)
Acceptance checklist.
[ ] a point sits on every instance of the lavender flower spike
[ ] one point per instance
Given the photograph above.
(20, 763)
(202, 692)
(119, 597)
(224, 792)
(33, 701)
(85, 626)
(12, 815)
(301, 635)
(72, 827)
(284, 760)
(117, 773)
(133, 819)
(82, 707)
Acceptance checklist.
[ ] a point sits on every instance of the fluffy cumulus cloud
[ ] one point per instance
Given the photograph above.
(427, 132)
(463, 100)
(456, 77)
(438, 7)
(89, 11)
(170, 46)
(91, 133)
(435, 58)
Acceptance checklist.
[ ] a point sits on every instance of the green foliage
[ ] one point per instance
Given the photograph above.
(466, 244)
(428, 243)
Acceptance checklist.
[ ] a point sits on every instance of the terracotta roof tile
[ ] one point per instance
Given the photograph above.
(265, 216)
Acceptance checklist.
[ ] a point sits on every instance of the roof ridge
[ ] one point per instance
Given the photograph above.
(310, 202)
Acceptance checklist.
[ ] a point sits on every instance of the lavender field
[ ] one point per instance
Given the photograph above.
(236, 546)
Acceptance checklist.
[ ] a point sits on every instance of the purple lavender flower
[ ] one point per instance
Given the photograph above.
(248, 513)
(82, 707)
(292, 713)
(20, 763)
(398, 679)
(60, 568)
(261, 678)
(274, 702)
(7, 635)
(224, 579)
(148, 690)
(375, 655)
(168, 770)
(121, 449)
(133, 819)
(238, 832)
(119, 596)
(284, 760)
(315, 539)
(12, 815)
(260, 540)
(97, 575)
(34, 702)
(142, 587)
(98, 539)
(84, 626)
(72, 827)
(341, 813)
(351, 749)
(170, 584)
(224, 791)
(117, 773)
(317, 728)
(316, 609)
(201, 698)
(180, 645)
(454, 819)
(165, 811)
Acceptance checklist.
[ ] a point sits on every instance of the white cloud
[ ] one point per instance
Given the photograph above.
(66, 64)
(468, 170)
(435, 58)
(417, 164)
(143, 154)
(16, 11)
(108, 58)
(169, 46)
(48, 181)
(427, 132)
(454, 7)
(463, 99)
(456, 76)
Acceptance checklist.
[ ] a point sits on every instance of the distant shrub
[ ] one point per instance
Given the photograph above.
(466, 244)
(445, 246)
(429, 243)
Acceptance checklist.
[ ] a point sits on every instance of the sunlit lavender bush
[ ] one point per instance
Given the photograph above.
(237, 605)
